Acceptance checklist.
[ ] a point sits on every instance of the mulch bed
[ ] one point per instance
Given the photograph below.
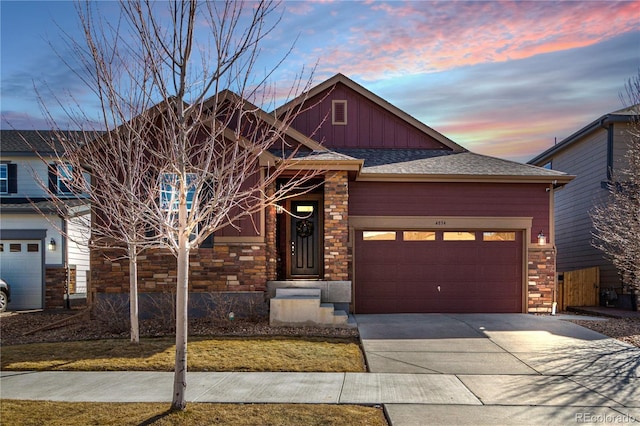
(69, 325)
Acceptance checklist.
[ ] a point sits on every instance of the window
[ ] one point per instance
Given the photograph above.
(498, 236)
(61, 178)
(169, 191)
(33, 248)
(419, 235)
(339, 112)
(8, 178)
(4, 179)
(15, 248)
(379, 235)
(65, 178)
(459, 236)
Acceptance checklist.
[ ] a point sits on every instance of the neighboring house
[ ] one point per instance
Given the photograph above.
(404, 220)
(43, 267)
(592, 154)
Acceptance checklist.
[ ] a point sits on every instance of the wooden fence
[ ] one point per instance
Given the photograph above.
(579, 288)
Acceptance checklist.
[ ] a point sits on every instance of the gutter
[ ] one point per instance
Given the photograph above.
(607, 119)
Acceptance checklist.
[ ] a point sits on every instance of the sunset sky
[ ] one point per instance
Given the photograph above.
(500, 78)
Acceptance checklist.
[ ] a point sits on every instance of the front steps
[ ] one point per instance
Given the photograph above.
(294, 307)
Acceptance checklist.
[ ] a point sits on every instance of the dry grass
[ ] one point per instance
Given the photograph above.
(72, 414)
(205, 354)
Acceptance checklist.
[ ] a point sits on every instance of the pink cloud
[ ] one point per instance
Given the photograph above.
(420, 37)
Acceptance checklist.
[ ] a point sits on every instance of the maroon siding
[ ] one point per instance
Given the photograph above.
(452, 199)
(368, 124)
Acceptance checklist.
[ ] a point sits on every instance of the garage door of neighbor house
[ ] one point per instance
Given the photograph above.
(438, 271)
(21, 267)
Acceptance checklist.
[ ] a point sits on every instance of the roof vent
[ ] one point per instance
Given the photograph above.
(339, 112)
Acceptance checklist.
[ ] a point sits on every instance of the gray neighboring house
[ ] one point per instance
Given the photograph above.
(44, 267)
(591, 154)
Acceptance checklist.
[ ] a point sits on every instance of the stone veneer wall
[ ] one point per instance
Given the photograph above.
(55, 278)
(541, 279)
(227, 267)
(336, 226)
(270, 238)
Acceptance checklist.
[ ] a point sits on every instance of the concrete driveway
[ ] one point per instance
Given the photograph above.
(519, 368)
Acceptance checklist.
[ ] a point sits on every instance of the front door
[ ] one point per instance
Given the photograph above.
(304, 249)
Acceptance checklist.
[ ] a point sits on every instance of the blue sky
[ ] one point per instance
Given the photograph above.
(500, 78)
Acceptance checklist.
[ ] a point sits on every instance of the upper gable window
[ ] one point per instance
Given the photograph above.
(339, 112)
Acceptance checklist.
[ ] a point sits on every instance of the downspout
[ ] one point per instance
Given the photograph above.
(608, 126)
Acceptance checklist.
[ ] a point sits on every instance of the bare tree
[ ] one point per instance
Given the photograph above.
(204, 157)
(120, 190)
(617, 220)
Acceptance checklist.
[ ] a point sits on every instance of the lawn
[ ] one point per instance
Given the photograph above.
(205, 354)
(79, 414)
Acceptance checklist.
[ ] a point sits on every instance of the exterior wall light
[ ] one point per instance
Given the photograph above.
(542, 239)
(52, 245)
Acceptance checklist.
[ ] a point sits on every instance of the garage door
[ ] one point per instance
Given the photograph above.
(21, 267)
(438, 271)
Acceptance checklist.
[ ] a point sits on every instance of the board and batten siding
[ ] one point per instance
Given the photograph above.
(78, 254)
(452, 199)
(368, 124)
(587, 160)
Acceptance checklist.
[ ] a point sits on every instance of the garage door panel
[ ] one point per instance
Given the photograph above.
(472, 276)
(21, 267)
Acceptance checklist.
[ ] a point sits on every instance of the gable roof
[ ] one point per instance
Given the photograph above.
(341, 78)
(624, 115)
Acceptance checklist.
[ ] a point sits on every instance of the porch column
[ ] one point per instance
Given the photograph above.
(336, 226)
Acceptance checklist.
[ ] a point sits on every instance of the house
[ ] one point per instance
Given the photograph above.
(43, 255)
(403, 220)
(592, 154)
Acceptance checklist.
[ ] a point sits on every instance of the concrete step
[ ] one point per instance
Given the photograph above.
(302, 306)
(289, 292)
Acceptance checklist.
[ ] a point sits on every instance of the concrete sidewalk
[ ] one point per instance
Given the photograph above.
(309, 388)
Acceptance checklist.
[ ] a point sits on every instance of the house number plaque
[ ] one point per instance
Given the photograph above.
(441, 222)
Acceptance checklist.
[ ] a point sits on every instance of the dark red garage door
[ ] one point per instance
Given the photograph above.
(438, 271)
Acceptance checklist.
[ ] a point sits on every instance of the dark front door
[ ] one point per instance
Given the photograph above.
(304, 249)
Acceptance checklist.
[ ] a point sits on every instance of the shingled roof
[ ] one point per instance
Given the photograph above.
(30, 141)
(446, 165)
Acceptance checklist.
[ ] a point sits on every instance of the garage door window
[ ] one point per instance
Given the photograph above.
(32, 248)
(498, 236)
(419, 235)
(15, 248)
(459, 236)
(379, 235)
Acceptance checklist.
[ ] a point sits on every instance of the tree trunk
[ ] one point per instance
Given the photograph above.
(133, 293)
(182, 293)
